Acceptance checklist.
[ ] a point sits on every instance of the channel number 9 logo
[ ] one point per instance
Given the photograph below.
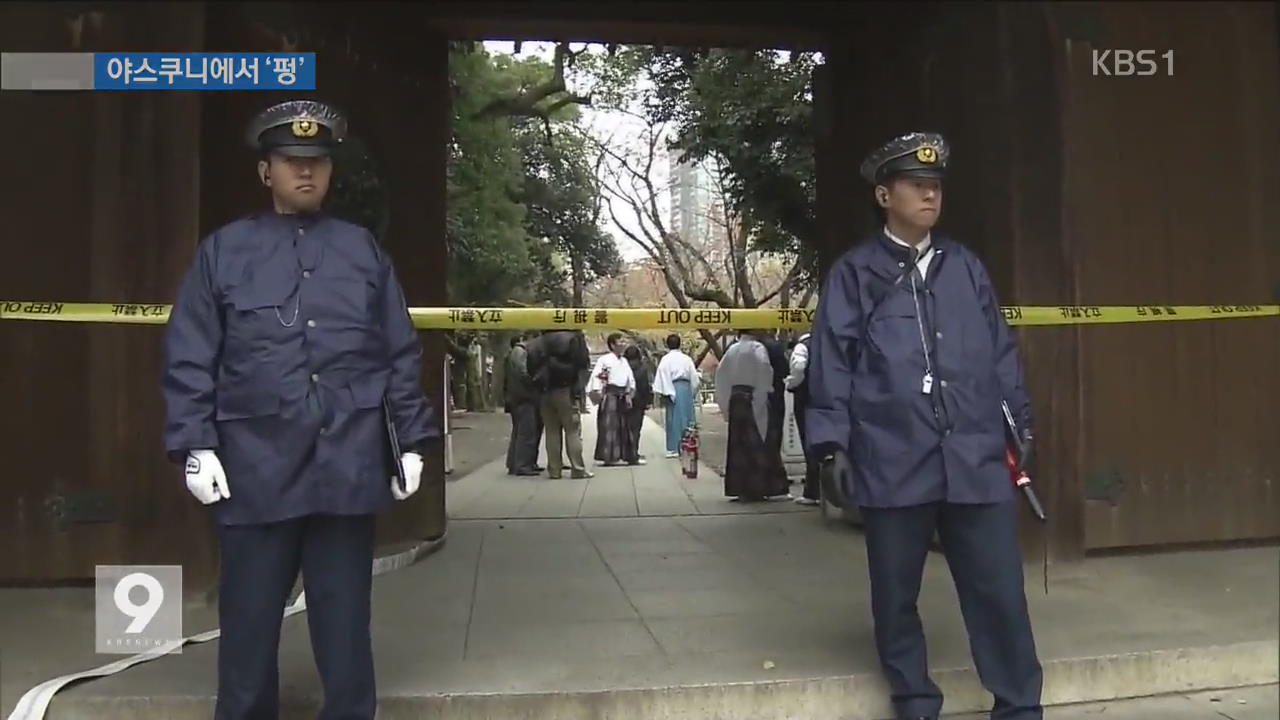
(146, 612)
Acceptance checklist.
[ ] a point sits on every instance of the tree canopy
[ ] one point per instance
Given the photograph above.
(754, 113)
(530, 190)
(523, 207)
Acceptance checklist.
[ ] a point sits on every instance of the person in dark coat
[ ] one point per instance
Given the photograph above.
(643, 400)
(523, 402)
(288, 331)
(910, 358)
(777, 401)
(798, 385)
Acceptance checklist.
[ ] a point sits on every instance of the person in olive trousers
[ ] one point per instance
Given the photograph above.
(559, 363)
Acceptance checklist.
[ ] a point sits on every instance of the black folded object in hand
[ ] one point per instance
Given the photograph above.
(834, 476)
(396, 468)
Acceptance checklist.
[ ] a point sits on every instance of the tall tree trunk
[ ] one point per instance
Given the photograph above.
(712, 345)
(476, 401)
(578, 284)
(804, 299)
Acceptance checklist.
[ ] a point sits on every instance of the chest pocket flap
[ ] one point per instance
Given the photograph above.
(893, 327)
(257, 311)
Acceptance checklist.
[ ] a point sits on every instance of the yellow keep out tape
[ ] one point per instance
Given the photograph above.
(653, 318)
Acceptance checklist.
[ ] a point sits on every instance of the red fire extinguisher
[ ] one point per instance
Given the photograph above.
(689, 452)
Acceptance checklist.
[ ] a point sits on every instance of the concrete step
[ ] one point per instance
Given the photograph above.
(855, 697)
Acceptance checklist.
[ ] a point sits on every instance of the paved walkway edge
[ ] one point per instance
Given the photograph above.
(857, 697)
(864, 697)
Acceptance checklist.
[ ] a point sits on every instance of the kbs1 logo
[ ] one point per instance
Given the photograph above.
(1129, 63)
(138, 608)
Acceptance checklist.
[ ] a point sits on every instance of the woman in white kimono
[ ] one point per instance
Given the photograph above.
(677, 383)
(743, 383)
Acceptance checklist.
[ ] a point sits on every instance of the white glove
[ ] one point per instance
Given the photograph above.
(412, 464)
(205, 477)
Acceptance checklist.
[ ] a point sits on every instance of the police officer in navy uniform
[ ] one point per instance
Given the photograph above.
(288, 331)
(910, 358)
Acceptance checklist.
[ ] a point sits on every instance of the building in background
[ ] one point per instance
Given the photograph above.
(696, 212)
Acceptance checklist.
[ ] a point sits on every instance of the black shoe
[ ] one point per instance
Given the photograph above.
(527, 473)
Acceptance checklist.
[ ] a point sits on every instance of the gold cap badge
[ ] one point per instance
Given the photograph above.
(305, 128)
(927, 154)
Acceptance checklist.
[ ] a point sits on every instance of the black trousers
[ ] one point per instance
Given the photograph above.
(258, 568)
(812, 487)
(981, 546)
(637, 415)
(526, 430)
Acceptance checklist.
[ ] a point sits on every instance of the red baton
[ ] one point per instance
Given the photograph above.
(1022, 481)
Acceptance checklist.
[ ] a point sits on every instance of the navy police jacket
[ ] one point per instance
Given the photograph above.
(878, 331)
(286, 334)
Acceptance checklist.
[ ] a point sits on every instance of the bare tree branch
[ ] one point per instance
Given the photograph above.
(652, 250)
(683, 292)
(525, 104)
(792, 274)
(699, 256)
(737, 239)
(644, 195)
(694, 269)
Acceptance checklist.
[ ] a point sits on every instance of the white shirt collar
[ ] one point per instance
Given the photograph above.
(924, 246)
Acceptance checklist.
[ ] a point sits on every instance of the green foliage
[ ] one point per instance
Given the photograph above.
(562, 193)
(488, 257)
(754, 112)
(522, 188)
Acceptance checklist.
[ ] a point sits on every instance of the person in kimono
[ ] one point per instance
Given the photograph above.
(643, 399)
(288, 331)
(676, 383)
(797, 384)
(910, 358)
(744, 382)
(612, 388)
